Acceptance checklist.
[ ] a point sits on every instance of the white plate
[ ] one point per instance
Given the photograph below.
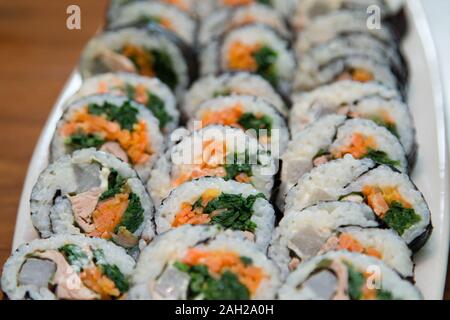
(430, 173)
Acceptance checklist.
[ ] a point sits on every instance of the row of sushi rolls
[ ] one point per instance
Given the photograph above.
(231, 149)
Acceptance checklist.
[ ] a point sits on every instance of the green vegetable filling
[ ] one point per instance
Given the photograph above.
(133, 217)
(235, 211)
(356, 283)
(390, 126)
(81, 140)
(204, 285)
(115, 185)
(75, 256)
(400, 218)
(111, 271)
(163, 67)
(233, 168)
(125, 115)
(250, 121)
(265, 59)
(381, 157)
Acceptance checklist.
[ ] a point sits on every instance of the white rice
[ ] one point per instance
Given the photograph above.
(189, 192)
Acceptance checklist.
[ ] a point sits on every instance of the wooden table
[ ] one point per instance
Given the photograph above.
(37, 54)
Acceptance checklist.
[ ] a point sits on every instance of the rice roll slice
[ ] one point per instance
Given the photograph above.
(392, 195)
(214, 201)
(149, 52)
(208, 7)
(165, 15)
(356, 100)
(224, 20)
(357, 68)
(150, 92)
(332, 137)
(200, 263)
(95, 194)
(340, 23)
(112, 124)
(252, 48)
(239, 83)
(308, 10)
(251, 114)
(333, 226)
(343, 275)
(215, 151)
(67, 267)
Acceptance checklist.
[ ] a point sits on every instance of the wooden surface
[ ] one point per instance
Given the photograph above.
(37, 54)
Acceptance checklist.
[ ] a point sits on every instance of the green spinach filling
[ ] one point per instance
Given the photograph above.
(388, 125)
(251, 121)
(111, 271)
(75, 256)
(81, 140)
(356, 283)
(400, 218)
(266, 59)
(235, 211)
(163, 67)
(381, 157)
(203, 285)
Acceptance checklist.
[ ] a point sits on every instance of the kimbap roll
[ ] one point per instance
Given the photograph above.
(200, 263)
(342, 275)
(253, 48)
(167, 16)
(150, 92)
(392, 196)
(112, 124)
(215, 151)
(228, 204)
(239, 83)
(151, 53)
(95, 194)
(332, 137)
(282, 6)
(357, 100)
(251, 114)
(67, 267)
(333, 226)
(224, 20)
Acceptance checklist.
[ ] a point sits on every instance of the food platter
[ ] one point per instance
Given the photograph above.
(430, 173)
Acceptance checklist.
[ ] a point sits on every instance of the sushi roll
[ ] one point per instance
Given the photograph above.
(359, 68)
(188, 6)
(167, 16)
(253, 48)
(357, 100)
(150, 92)
(358, 57)
(214, 201)
(308, 10)
(252, 114)
(215, 151)
(337, 24)
(199, 263)
(95, 194)
(67, 267)
(333, 137)
(333, 226)
(284, 7)
(112, 124)
(224, 20)
(150, 52)
(392, 196)
(239, 83)
(342, 275)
